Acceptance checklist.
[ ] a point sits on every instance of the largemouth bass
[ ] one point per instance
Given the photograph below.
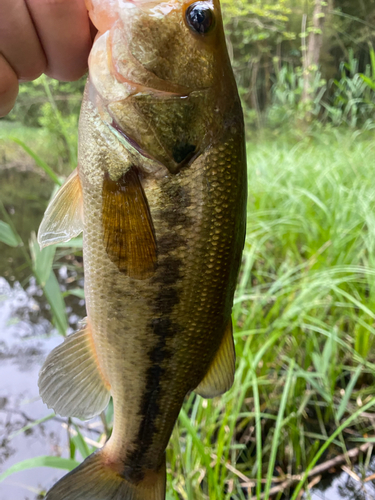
(160, 195)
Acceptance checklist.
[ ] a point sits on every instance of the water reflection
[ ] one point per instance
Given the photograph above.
(24, 343)
(344, 486)
(25, 340)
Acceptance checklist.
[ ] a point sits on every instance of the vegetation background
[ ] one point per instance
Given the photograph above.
(304, 311)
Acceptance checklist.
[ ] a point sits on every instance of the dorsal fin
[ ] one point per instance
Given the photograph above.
(129, 235)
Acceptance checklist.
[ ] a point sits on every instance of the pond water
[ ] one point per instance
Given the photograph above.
(23, 346)
(344, 486)
(26, 339)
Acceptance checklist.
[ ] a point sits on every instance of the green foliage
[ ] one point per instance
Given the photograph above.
(254, 29)
(42, 261)
(38, 160)
(349, 100)
(41, 264)
(265, 44)
(353, 96)
(53, 106)
(7, 235)
(286, 102)
(55, 462)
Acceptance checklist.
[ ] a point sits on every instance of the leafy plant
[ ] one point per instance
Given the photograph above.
(353, 99)
(286, 105)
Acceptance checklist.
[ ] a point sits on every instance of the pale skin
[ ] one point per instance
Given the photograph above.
(41, 36)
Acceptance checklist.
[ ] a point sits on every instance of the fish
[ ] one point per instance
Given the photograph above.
(160, 196)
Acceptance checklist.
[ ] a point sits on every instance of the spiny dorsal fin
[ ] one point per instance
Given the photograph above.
(70, 381)
(220, 375)
(128, 230)
(63, 219)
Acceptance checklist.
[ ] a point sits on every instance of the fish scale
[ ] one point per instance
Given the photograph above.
(197, 297)
(160, 193)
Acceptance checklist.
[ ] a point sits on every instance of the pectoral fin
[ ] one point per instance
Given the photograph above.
(70, 380)
(128, 230)
(220, 375)
(63, 219)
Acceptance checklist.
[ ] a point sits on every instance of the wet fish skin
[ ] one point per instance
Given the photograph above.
(162, 174)
(189, 298)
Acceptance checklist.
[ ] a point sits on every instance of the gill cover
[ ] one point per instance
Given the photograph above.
(159, 70)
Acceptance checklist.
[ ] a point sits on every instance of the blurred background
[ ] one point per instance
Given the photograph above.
(299, 422)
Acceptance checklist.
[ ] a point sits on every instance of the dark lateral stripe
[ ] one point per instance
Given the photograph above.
(177, 200)
(150, 408)
(162, 328)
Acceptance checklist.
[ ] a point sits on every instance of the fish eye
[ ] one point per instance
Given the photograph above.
(200, 18)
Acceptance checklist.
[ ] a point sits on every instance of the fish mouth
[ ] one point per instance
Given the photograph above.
(115, 68)
(152, 83)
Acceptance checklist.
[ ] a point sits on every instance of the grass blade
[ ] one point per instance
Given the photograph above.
(42, 266)
(7, 235)
(258, 431)
(31, 425)
(46, 461)
(56, 301)
(41, 163)
(343, 426)
(279, 422)
(348, 392)
(80, 443)
(42, 260)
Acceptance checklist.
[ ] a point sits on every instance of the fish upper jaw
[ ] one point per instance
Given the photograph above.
(116, 73)
(103, 13)
(146, 46)
(114, 70)
(116, 78)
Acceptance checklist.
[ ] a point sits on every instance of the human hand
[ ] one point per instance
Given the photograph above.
(41, 36)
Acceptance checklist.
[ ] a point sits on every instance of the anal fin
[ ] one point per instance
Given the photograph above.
(220, 375)
(63, 219)
(70, 381)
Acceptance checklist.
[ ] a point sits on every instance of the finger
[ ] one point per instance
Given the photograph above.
(66, 37)
(8, 87)
(19, 42)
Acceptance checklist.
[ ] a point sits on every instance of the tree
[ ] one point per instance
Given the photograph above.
(311, 50)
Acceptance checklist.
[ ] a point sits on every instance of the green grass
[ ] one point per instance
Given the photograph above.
(39, 139)
(304, 318)
(304, 322)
